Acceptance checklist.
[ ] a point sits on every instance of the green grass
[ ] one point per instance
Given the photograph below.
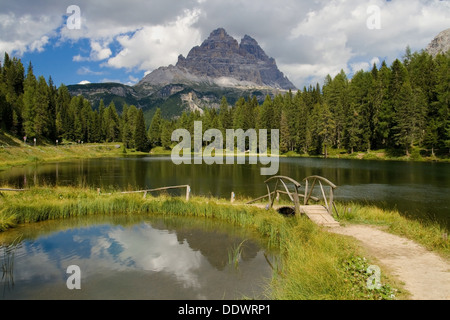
(416, 154)
(21, 155)
(314, 264)
(160, 151)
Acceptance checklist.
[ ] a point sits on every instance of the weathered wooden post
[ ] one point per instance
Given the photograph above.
(98, 191)
(296, 201)
(188, 190)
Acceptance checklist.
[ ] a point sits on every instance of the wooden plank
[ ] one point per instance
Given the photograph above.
(319, 215)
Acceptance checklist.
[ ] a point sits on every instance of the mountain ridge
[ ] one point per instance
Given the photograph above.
(219, 66)
(220, 60)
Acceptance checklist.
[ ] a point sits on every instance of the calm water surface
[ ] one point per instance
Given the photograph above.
(416, 189)
(132, 258)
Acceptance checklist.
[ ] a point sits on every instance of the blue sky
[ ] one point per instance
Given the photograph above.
(56, 60)
(121, 41)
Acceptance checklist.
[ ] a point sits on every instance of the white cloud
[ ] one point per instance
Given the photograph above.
(153, 46)
(308, 39)
(84, 82)
(343, 41)
(99, 51)
(357, 66)
(26, 33)
(105, 80)
(133, 79)
(87, 70)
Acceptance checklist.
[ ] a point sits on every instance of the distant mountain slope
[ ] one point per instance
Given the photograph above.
(220, 66)
(221, 61)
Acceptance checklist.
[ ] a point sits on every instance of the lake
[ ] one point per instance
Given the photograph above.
(417, 189)
(153, 258)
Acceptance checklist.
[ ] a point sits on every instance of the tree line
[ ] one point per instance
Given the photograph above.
(33, 107)
(398, 107)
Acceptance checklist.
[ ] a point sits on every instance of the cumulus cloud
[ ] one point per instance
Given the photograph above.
(26, 33)
(308, 39)
(99, 51)
(342, 39)
(155, 46)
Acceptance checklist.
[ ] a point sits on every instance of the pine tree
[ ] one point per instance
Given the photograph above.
(42, 121)
(111, 122)
(52, 96)
(265, 114)
(140, 136)
(335, 94)
(132, 116)
(326, 127)
(439, 109)
(127, 134)
(101, 124)
(62, 105)
(154, 131)
(284, 133)
(352, 129)
(239, 114)
(383, 105)
(224, 118)
(359, 128)
(166, 134)
(29, 105)
(404, 118)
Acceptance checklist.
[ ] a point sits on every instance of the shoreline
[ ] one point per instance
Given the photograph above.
(313, 256)
(11, 156)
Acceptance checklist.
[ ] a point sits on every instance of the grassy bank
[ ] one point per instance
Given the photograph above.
(315, 264)
(382, 154)
(13, 152)
(23, 155)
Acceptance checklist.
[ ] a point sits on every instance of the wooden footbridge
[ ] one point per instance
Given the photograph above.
(321, 214)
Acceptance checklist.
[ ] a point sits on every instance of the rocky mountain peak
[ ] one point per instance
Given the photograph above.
(440, 44)
(219, 33)
(221, 60)
(250, 46)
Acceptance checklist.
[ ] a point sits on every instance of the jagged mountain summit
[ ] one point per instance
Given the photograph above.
(440, 44)
(221, 61)
(219, 67)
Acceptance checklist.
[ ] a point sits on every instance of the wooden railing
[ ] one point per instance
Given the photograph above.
(310, 183)
(293, 194)
(314, 181)
(14, 190)
(188, 190)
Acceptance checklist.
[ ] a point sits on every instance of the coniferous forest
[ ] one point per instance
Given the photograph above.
(400, 108)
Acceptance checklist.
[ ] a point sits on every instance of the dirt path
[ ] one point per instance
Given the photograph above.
(426, 275)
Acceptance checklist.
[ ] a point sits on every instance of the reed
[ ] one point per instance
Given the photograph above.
(235, 253)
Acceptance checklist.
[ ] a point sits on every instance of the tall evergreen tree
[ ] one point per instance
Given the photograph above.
(224, 118)
(29, 103)
(154, 131)
(140, 136)
(166, 134)
(112, 123)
